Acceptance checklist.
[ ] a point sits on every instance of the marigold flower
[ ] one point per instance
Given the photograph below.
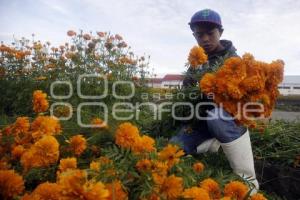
(75, 185)
(172, 187)
(198, 167)
(71, 33)
(116, 191)
(67, 163)
(42, 154)
(160, 168)
(196, 193)
(95, 165)
(11, 184)
(46, 191)
(62, 111)
(207, 83)
(144, 144)
(99, 123)
(144, 165)
(45, 125)
(40, 102)
(101, 34)
(78, 144)
(171, 154)
(118, 37)
(258, 196)
(104, 160)
(197, 56)
(212, 187)
(17, 151)
(236, 190)
(86, 36)
(21, 125)
(126, 135)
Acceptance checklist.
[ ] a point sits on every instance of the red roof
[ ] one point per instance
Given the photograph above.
(155, 80)
(173, 77)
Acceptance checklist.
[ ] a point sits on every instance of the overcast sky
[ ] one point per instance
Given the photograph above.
(268, 29)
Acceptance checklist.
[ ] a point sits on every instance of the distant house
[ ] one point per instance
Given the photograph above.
(290, 85)
(172, 81)
(168, 81)
(155, 82)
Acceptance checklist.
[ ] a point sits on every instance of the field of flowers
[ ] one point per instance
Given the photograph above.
(42, 157)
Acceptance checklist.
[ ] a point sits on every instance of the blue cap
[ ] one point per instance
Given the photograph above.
(206, 15)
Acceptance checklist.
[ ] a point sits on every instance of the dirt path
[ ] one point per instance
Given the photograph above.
(289, 116)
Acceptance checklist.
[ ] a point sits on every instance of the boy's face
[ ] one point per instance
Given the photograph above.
(208, 39)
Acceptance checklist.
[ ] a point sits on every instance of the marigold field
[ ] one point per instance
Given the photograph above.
(45, 154)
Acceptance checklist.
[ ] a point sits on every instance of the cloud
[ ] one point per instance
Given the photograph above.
(159, 28)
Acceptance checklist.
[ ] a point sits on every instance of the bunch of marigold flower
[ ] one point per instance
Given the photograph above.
(197, 56)
(240, 81)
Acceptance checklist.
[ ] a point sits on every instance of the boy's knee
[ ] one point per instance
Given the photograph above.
(222, 126)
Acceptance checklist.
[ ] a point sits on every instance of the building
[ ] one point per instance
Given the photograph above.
(168, 81)
(290, 85)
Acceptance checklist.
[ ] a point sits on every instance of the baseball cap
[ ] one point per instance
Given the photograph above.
(206, 15)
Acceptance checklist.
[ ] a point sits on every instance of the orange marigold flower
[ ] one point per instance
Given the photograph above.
(253, 84)
(67, 163)
(21, 125)
(126, 135)
(99, 123)
(157, 178)
(75, 185)
(197, 56)
(101, 34)
(172, 187)
(86, 36)
(258, 196)
(42, 154)
(17, 152)
(95, 165)
(118, 37)
(11, 184)
(234, 92)
(116, 191)
(104, 160)
(144, 165)
(198, 167)
(236, 190)
(45, 125)
(196, 193)
(46, 191)
(207, 83)
(143, 144)
(40, 102)
(171, 154)
(71, 33)
(78, 144)
(212, 187)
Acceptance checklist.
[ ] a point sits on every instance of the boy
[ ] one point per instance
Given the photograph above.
(208, 135)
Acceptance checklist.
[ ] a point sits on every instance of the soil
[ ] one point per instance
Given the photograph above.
(284, 181)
